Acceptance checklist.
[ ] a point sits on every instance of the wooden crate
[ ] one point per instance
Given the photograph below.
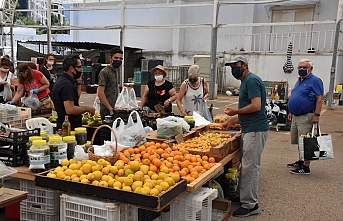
(198, 182)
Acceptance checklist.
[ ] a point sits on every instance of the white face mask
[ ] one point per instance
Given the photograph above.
(159, 77)
(50, 62)
(5, 69)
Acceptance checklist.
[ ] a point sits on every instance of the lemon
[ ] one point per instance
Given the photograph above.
(111, 175)
(95, 182)
(72, 161)
(164, 185)
(105, 170)
(86, 168)
(103, 183)
(145, 190)
(129, 171)
(97, 167)
(110, 182)
(127, 188)
(79, 172)
(170, 181)
(154, 192)
(138, 190)
(148, 185)
(74, 166)
(83, 162)
(105, 178)
(121, 172)
(176, 177)
(75, 179)
(84, 181)
(121, 179)
(64, 167)
(67, 177)
(57, 169)
(117, 184)
(69, 172)
(102, 162)
(134, 165)
(128, 181)
(65, 162)
(91, 162)
(97, 175)
(159, 181)
(90, 176)
(159, 188)
(83, 177)
(119, 164)
(59, 174)
(136, 184)
(139, 176)
(154, 177)
(114, 170)
(74, 175)
(150, 173)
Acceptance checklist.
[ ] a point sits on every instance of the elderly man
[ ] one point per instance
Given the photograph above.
(251, 114)
(304, 107)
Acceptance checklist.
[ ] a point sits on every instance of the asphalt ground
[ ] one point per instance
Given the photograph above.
(285, 196)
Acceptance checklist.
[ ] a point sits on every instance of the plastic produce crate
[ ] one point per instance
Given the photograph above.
(19, 137)
(17, 120)
(79, 208)
(137, 79)
(39, 200)
(194, 206)
(27, 215)
(13, 160)
(147, 215)
(39, 112)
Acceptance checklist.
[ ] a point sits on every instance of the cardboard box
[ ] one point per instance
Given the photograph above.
(155, 203)
(221, 205)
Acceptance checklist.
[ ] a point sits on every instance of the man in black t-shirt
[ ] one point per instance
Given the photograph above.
(66, 93)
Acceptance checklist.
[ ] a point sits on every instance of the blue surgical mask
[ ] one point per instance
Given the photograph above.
(236, 72)
(116, 63)
(302, 72)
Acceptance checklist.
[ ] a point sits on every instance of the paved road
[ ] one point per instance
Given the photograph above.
(284, 196)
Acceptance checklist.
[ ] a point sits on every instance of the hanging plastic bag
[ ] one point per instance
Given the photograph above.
(122, 102)
(133, 100)
(7, 94)
(31, 101)
(199, 120)
(79, 154)
(205, 112)
(96, 105)
(118, 130)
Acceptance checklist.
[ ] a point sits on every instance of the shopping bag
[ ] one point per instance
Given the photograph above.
(31, 101)
(315, 147)
(128, 135)
(205, 112)
(171, 126)
(96, 104)
(7, 94)
(133, 104)
(118, 127)
(122, 102)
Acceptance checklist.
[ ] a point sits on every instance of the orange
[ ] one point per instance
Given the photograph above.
(169, 165)
(157, 162)
(158, 145)
(176, 168)
(193, 159)
(153, 168)
(152, 157)
(141, 148)
(198, 168)
(146, 156)
(205, 158)
(136, 150)
(125, 160)
(186, 170)
(190, 167)
(199, 160)
(193, 170)
(164, 146)
(168, 150)
(159, 151)
(146, 161)
(195, 174)
(126, 153)
(211, 160)
(131, 150)
(183, 173)
(183, 164)
(177, 157)
(174, 147)
(188, 157)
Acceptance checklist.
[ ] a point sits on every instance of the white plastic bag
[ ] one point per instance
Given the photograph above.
(96, 105)
(133, 100)
(31, 101)
(170, 126)
(199, 120)
(79, 154)
(205, 112)
(7, 94)
(122, 102)
(128, 135)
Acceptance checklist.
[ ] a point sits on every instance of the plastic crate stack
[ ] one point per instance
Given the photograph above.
(13, 147)
(79, 208)
(40, 205)
(194, 206)
(18, 119)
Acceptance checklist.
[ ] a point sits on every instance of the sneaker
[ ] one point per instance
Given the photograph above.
(243, 212)
(296, 164)
(302, 170)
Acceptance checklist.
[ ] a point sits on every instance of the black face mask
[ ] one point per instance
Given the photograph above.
(193, 80)
(77, 75)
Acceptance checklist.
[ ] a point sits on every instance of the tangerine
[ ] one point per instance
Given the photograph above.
(158, 145)
(183, 173)
(164, 146)
(211, 160)
(131, 150)
(205, 158)
(146, 156)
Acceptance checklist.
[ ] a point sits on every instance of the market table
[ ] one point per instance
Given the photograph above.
(11, 196)
(24, 173)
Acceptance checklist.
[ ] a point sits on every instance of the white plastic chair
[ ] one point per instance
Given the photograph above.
(40, 122)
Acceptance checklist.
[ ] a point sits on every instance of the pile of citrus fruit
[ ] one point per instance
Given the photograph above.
(148, 169)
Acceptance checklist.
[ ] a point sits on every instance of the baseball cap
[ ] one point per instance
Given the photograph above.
(237, 59)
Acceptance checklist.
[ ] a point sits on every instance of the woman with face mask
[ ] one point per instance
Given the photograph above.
(158, 91)
(34, 81)
(49, 70)
(5, 77)
(192, 91)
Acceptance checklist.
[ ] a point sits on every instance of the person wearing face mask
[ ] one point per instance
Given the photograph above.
(192, 91)
(251, 114)
(32, 80)
(49, 70)
(304, 108)
(159, 91)
(109, 82)
(67, 91)
(5, 77)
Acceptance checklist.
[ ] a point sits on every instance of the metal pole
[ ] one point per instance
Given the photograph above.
(122, 44)
(333, 65)
(213, 65)
(48, 25)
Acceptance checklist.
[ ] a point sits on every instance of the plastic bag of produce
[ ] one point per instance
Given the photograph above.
(96, 104)
(133, 100)
(79, 153)
(128, 135)
(122, 102)
(31, 101)
(205, 112)
(199, 120)
(9, 109)
(170, 126)
(7, 94)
